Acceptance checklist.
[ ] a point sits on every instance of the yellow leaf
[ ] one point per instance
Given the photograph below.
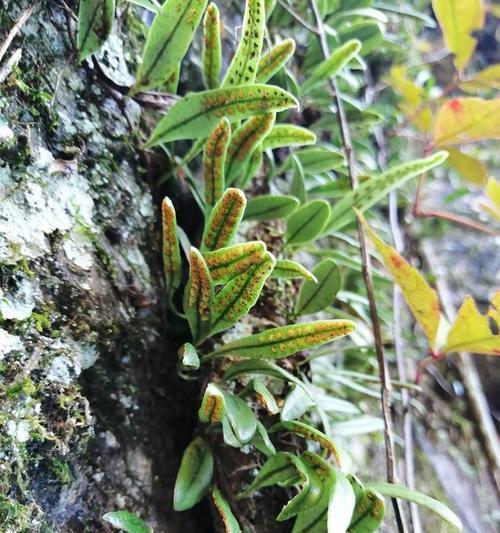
(463, 120)
(458, 19)
(468, 167)
(420, 297)
(492, 192)
(471, 331)
(489, 78)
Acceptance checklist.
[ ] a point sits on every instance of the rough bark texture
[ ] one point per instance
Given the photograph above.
(88, 421)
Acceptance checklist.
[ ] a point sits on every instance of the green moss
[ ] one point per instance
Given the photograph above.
(61, 470)
(13, 514)
(24, 387)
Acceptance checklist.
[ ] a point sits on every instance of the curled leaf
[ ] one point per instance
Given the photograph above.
(369, 509)
(244, 141)
(224, 219)
(172, 265)
(273, 60)
(244, 64)
(95, 21)
(264, 397)
(188, 357)
(194, 476)
(228, 519)
(307, 222)
(239, 423)
(288, 135)
(198, 113)
(281, 342)
(226, 263)
(214, 159)
(213, 405)
(268, 207)
(287, 269)
(212, 49)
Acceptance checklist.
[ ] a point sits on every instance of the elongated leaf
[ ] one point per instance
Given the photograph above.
(273, 60)
(374, 189)
(297, 402)
(172, 264)
(399, 491)
(197, 114)
(198, 297)
(288, 135)
(168, 40)
(298, 185)
(316, 296)
(244, 141)
(268, 207)
(244, 64)
(316, 160)
(458, 20)
(262, 442)
(212, 49)
(468, 167)
(228, 519)
(188, 357)
(264, 397)
(126, 521)
(307, 222)
(252, 167)
(465, 120)
(287, 269)
(239, 423)
(357, 426)
(213, 405)
(214, 159)
(95, 21)
(281, 342)
(341, 505)
(194, 476)
(473, 332)
(224, 219)
(241, 294)
(422, 300)
(369, 509)
(226, 263)
(331, 66)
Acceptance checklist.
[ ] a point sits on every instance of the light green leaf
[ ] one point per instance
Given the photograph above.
(374, 189)
(151, 5)
(262, 441)
(188, 357)
(172, 264)
(240, 294)
(315, 160)
(268, 207)
(214, 160)
(212, 49)
(95, 21)
(228, 519)
(288, 135)
(126, 521)
(298, 185)
(273, 60)
(224, 220)
(226, 263)
(198, 297)
(264, 397)
(197, 114)
(287, 269)
(244, 64)
(369, 509)
(243, 143)
(168, 40)
(316, 296)
(277, 343)
(399, 491)
(297, 402)
(252, 167)
(307, 222)
(239, 423)
(331, 66)
(194, 476)
(356, 426)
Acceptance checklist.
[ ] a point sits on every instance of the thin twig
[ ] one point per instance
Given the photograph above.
(21, 21)
(365, 260)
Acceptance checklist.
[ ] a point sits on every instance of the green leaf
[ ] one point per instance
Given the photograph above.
(126, 521)
(224, 220)
(168, 40)
(212, 49)
(273, 60)
(374, 189)
(356, 426)
(239, 423)
(213, 405)
(307, 222)
(264, 397)
(197, 114)
(288, 135)
(297, 402)
(194, 476)
(268, 207)
(226, 263)
(399, 491)
(252, 167)
(240, 294)
(229, 521)
(95, 21)
(243, 143)
(287, 269)
(369, 509)
(172, 264)
(214, 159)
(331, 66)
(151, 5)
(262, 441)
(298, 185)
(277, 343)
(316, 296)
(188, 357)
(198, 297)
(341, 504)
(244, 64)
(315, 160)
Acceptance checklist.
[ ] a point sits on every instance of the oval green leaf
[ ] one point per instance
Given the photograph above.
(307, 222)
(268, 207)
(126, 521)
(239, 423)
(287, 269)
(314, 297)
(288, 135)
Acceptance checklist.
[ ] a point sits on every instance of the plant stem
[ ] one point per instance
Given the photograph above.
(385, 380)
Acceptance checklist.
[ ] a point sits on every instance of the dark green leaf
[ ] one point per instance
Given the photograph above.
(239, 423)
(262, 441)
(315, 160)
(307, 222)
(314, 297)
(298, 186)
(268, 207)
